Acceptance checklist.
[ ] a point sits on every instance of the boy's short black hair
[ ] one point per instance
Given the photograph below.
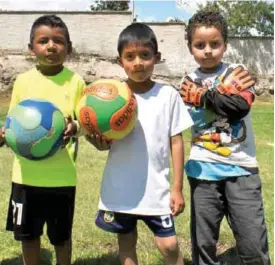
(51, 21)
(207, 19)
(137, 32)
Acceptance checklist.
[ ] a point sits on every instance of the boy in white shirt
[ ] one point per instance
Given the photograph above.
(136, 181)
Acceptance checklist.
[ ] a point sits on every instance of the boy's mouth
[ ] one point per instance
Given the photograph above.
(52, 57)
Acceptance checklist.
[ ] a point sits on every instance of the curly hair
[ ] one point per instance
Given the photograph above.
(207, 19)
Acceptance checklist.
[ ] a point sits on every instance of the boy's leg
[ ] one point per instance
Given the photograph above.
(127, 248)
(246, 218)
(61, 203)
(31, 251)
(169, 248)
(25, 220)
(64, 252)
(125, 226)
(163, 227)
(207, 212)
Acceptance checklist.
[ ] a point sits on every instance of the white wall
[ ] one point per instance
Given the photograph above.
(97, 33)
(90, 32)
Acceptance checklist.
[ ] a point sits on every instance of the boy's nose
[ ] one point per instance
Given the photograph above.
(207, 49)
(137, 60)
(51, 44)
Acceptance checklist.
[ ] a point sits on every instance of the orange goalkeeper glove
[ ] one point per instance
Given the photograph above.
(235, 81)
(192, 92)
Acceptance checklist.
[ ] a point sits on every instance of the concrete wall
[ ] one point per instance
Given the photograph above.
(257, 53)
(97, 33)
(91, 32)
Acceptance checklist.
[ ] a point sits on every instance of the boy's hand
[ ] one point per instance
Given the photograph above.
(177, 203)
(192, 92)
(71, 128)
(235, 81)
(99, 141)
(2, 136)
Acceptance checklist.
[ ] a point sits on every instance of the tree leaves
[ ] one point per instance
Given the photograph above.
(245, 18)
(110, 6)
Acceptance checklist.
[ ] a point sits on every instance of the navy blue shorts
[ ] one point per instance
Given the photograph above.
(124, 223)
(30, 208)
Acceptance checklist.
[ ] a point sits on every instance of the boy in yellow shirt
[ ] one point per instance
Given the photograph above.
(44, 191)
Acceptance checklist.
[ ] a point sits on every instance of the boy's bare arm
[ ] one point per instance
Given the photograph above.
(177, 152)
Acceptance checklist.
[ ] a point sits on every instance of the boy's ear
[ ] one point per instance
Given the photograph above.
(119, 61)
(70, 48)
(189, 47)
(157, 57)
(31, 49)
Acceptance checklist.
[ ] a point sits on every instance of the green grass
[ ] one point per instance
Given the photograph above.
(91, 246)
(3, 110)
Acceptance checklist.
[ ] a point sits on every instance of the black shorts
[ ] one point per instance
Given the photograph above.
(31, 207)
(124, 223)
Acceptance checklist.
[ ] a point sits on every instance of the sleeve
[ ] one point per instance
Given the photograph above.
(15, 97)
(180, 117)
(234, 107)
(78, 93)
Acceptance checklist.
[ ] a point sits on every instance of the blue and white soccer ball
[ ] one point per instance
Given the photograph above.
(34, 129)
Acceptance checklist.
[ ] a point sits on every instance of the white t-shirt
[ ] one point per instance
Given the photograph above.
(136, 178)
(237, 140)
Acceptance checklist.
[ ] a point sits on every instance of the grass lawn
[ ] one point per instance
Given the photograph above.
(91, 246)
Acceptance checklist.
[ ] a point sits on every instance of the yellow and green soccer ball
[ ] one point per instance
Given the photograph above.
(109, 108)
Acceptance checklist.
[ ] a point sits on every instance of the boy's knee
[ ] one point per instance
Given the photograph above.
(168, 246)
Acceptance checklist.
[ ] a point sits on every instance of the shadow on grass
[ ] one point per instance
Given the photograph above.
(161, 262)
(106, 259)
(112, 259)
(46, 259)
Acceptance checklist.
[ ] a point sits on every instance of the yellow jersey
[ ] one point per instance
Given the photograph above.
(64, 91)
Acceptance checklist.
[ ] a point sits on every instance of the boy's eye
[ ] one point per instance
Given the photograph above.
(199, 45)
(129, 56)
(214, 44)
(43, 41)
(145, 55)
(59, 41)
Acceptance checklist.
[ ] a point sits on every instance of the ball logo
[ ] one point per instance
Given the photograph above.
(103, 91)
(88, 119)
(122, 118)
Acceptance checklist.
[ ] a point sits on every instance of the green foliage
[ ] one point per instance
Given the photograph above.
(110, 6)
(244, 16)
(176, 19)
